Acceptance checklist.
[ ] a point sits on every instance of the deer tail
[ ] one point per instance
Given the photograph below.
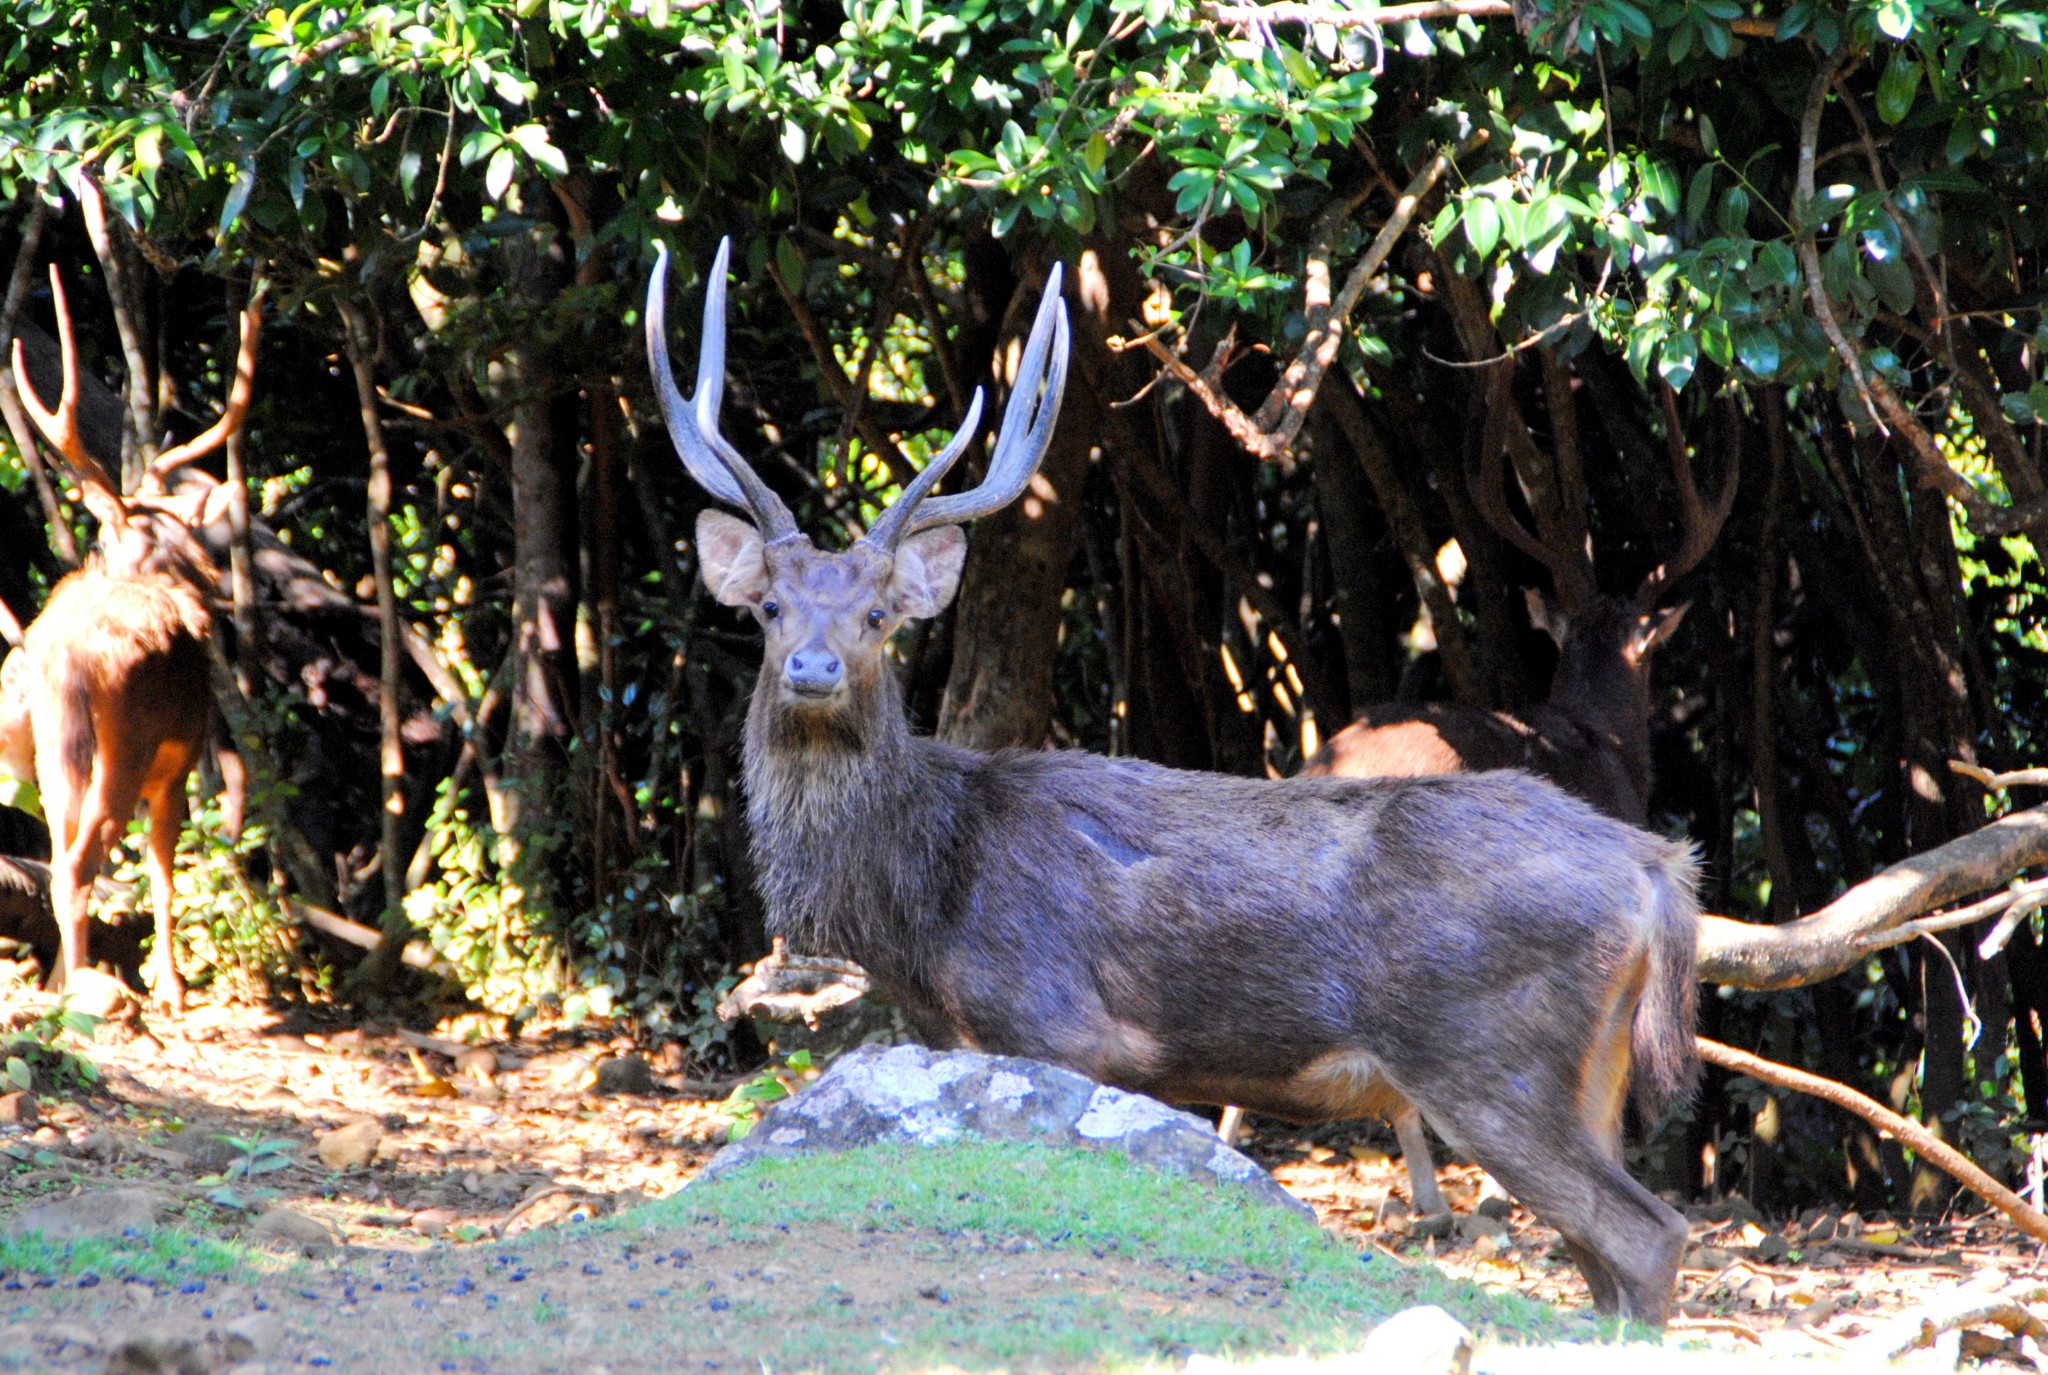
(1665, 1051)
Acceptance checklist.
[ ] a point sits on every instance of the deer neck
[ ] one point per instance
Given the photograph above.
(1609, 698)
(848, 815)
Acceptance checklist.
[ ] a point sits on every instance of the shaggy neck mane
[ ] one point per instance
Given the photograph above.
(850, 814)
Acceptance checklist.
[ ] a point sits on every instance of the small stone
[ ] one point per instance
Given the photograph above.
(1496, 1206)
(61, 1335)
(1473, 1226)
(287, 1229)
(1487, 1247)
(625, 1074)
(157, 1356)
(19, 1110)
(104, 1147)
(1418, 1341)
(350, 1147)
(1394, 1215)
(1433, 1226)
(98, 995)
(1823, 1228)
(1770, 1248)
(479, 1062)
(103, 1213)
(433, 1222)
(1708, 1258)
(248, 1337)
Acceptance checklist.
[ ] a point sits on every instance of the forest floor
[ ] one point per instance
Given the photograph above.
(373, 1147)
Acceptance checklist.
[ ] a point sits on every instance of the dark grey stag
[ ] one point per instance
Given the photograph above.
(1482, 946)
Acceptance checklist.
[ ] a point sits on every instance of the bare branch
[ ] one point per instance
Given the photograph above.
(1824, 943)
(1271, 433)
(1925, 1143)
(1970, 1305)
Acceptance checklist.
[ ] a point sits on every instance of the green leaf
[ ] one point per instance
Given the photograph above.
(793, 141)
(1757, 348)
(1897, 87)
(1482, 226)
(498, 175)
(789, 264)
(1778, 264)
(19, 1073)
(1734, 210)
(1659, 182)
(1677, 360)
(1698, 194)
(1895, 19)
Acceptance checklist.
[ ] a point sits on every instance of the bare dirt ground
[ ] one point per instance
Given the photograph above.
(311, 1134)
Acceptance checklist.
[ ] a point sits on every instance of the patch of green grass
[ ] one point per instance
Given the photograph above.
(158, 1256)
(1325, 1296)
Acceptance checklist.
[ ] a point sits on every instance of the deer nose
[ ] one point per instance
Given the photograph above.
(812, 672)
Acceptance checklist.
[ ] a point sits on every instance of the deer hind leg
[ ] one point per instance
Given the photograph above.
(1625, 1240)
(166, 820)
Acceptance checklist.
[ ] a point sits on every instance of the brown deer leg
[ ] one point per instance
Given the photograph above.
(1422, 1189)
(166, 820)
(1625, 1240)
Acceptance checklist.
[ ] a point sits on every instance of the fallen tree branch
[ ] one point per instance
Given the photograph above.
(1968, 1306)
(1875, 913)
(1930, 1147)
(790, 988)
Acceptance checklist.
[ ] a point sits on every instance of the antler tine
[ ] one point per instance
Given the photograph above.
(239, 391)
(1570, 577)
(1021, 443)
(1700, 525)
(60, 427)
(693, 426)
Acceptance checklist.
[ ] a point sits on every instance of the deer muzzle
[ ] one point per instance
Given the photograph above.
(814, 671)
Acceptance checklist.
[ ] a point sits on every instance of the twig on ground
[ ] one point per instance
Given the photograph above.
(790, 988)
(1968, 1306)
(1930, 1147)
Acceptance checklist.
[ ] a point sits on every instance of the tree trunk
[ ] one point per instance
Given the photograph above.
(1007, 621)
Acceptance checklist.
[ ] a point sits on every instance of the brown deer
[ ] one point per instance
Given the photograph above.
(1486, 947)
(1591, 737)
(112, 679)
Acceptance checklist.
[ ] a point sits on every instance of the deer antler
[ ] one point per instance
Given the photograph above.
(1020, 445)
(60, 427)
(1699, 524)
(237, 408)
(1571, 572)
(693, 426)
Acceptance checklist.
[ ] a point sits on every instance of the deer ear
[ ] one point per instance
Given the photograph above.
(1655, 628)
(1544, 618)
(927, 572)
(734, 563)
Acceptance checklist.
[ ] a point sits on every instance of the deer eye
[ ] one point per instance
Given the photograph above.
(771, 609)
(875, 618)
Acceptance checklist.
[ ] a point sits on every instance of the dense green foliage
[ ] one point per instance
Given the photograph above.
(1801, 241)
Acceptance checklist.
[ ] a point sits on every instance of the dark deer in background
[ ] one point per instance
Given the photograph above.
(112, 679)
(1485, 947)
(1592, 736)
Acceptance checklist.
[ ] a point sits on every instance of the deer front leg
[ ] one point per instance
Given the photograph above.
(166, 820)
(1422, 1189)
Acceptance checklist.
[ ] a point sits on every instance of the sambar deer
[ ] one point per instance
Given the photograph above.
(111, 684)
(1592, 735)
(1485, 946)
